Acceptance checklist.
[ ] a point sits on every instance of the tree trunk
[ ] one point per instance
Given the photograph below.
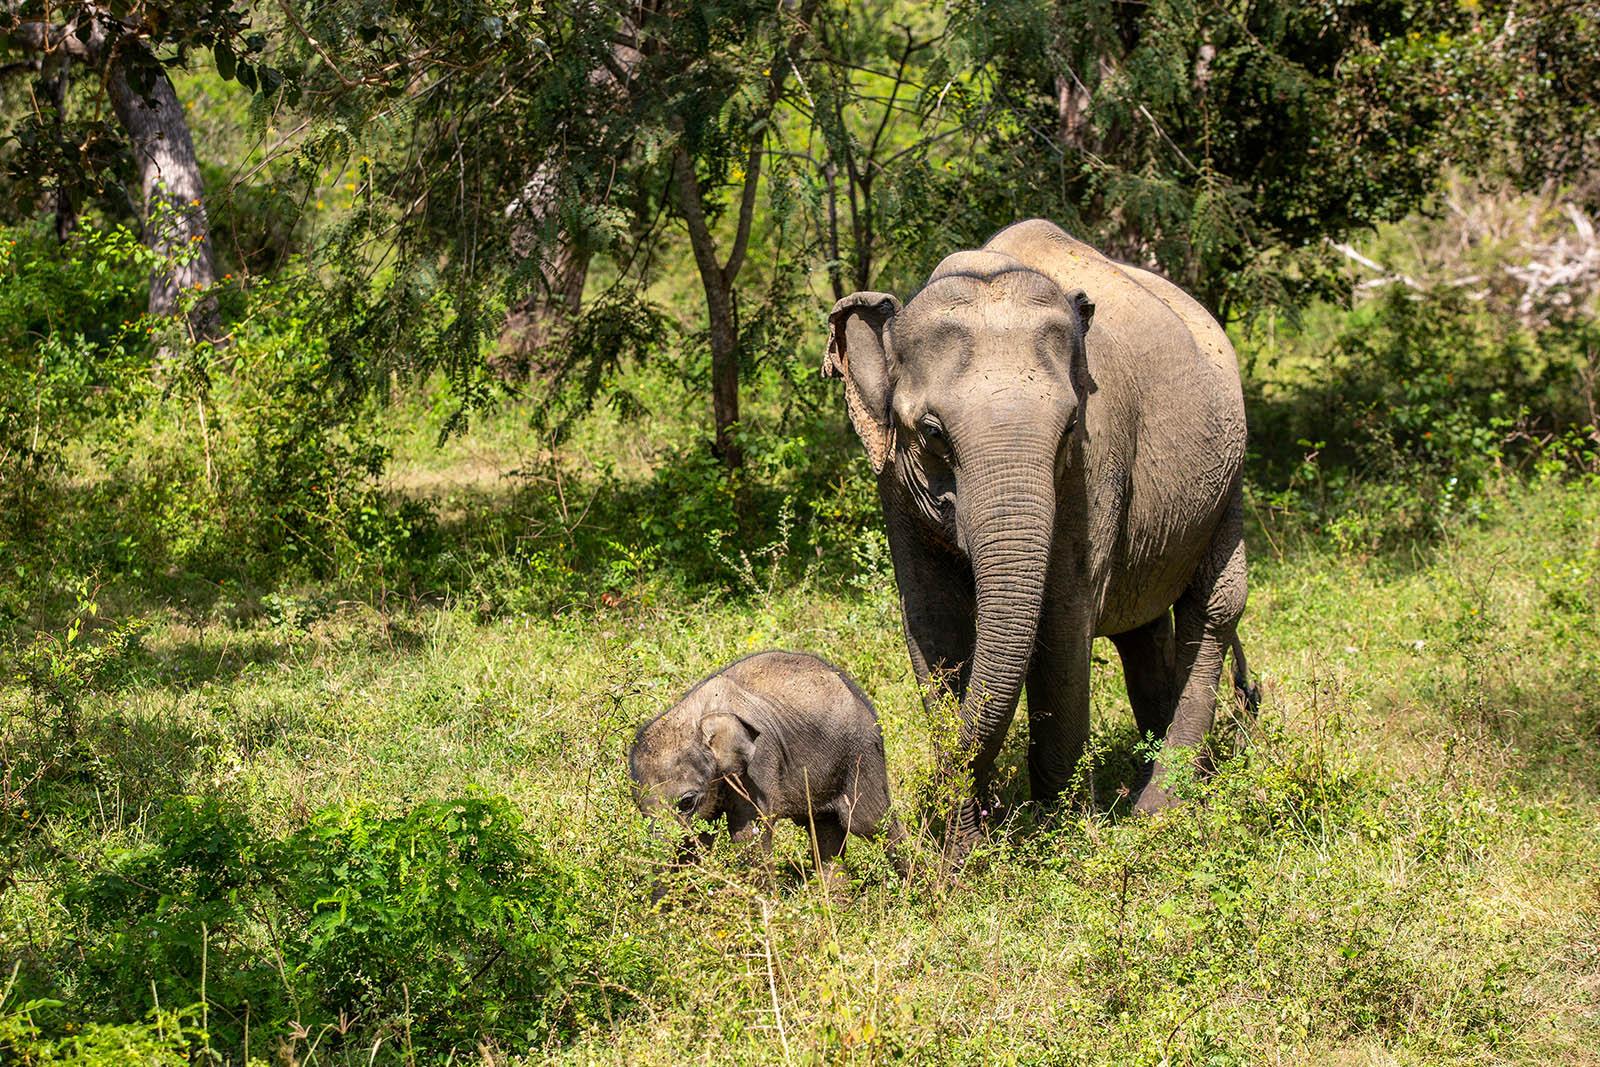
(530, 322)
(172, 191)
(66, 211)
(1072, 112)
(724, 375)
(723, 328)
(717, 278)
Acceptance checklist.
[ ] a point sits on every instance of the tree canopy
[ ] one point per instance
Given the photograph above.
(521, 176)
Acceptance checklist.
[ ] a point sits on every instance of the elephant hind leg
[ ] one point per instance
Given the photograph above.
(1150, 667)
(827, 835)
(1205, 619)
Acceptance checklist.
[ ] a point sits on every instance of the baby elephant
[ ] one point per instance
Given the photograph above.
(776, 735)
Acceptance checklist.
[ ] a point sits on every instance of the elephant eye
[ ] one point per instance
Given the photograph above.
(688, 802)
(933, 433)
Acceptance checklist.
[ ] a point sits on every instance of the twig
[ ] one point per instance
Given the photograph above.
(772, 980)
(1388, 275)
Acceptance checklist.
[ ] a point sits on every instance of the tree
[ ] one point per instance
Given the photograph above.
(506, 150)
(1532, 86)
(505, 107)
(733, 125)
(1219, 142)
(884, 109)
(121, 47)
(563, 260)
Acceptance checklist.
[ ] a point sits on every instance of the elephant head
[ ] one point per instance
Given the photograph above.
(680, 761)
(969, 402)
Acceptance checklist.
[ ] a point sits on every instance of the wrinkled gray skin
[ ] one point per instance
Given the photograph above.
(776, 735)
(1058, 441)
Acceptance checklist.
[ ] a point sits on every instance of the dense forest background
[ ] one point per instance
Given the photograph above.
(399, 399)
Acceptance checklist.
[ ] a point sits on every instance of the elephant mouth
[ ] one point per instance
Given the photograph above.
(933, 494)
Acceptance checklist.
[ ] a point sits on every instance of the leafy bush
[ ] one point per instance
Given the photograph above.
(449, 911)
(447, 921)
(164, 1041)
(256, 463)
(305, 462)
(154, 913)
(257, 458)
(74, 344)
(40, 736)
(1416, 400)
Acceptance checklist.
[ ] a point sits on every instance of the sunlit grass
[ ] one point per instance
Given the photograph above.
(1398, 867)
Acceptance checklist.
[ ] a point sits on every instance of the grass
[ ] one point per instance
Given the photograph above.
(1398, 868)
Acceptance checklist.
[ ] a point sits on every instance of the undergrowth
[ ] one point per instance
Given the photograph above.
(311, 728)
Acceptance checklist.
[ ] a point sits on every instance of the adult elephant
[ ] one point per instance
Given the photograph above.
(1058, 441)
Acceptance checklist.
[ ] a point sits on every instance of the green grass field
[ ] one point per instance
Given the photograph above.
(1399, 867)
(412, 399)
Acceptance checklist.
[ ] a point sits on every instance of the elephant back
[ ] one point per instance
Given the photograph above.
(1167, 412)
(1138, 314)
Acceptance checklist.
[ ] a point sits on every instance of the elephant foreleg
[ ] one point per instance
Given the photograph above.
(1204, 620)
(749, 828)
(1058, 701)
(687, 854)
(827, 843)
(938, 606)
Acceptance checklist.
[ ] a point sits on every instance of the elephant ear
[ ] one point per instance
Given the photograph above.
(1083, 306)
(858, 352)
(731, 740)
(1080, 359)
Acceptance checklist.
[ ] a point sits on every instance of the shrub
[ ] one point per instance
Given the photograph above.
(259, 463)
(305, 462)
(40, 735)
(1413, 404)
(197, 893)
(74, 344)
(449, 911)
(447, 921)
(164, 1041)
(259, 457)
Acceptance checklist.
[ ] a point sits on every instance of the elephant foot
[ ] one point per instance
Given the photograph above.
(1153, 798)
(969, 825)
(833, 877)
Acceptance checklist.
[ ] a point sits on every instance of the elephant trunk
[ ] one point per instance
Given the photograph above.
(1009, 536)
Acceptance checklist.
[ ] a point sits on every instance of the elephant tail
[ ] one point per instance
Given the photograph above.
(1247, 693)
